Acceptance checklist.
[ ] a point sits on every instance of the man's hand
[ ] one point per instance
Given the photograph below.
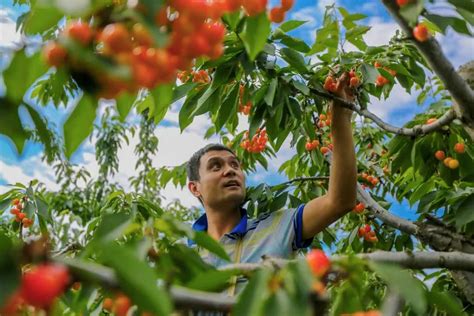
(344, 91)
(341, 196)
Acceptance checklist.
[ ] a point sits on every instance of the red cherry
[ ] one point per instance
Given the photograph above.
(12, 304)
(459, 148)
(402, 3)
(420, 33)
(277, 15)
(287, 4)
(318, 262)
(43, 283)
(54, 54)
(359, 208)
(80, 32)
(254, 7)
(116, 37)
(214, 32)
(381, 81)
(324, 150)
(367, 228)
(354, 82)
(121, 305)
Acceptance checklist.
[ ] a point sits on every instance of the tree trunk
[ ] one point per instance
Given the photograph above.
(466, 71)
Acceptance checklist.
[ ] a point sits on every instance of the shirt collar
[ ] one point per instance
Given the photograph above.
(239, 230)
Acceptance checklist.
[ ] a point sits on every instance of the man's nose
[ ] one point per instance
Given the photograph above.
(228, 170)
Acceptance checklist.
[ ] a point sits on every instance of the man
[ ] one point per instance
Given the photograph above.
(217, 180)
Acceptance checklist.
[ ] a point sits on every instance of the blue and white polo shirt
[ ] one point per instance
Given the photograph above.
(277, 234)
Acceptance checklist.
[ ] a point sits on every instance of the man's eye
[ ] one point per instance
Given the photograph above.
(215, 166)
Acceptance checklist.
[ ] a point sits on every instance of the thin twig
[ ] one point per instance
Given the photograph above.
(416, 130)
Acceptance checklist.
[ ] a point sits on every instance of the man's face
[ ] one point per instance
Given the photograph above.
(222, 182)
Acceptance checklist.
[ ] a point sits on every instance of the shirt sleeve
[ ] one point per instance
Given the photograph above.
(298, 241)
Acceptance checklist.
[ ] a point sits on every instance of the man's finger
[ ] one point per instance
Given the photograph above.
(343, 81)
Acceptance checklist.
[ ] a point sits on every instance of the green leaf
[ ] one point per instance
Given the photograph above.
(163, 96)
(347, 300)
(421, 191)
(204, 240)
(182, 90)
(204, 103)
(270, 95)
(212, 280)
(443, 22)
(43, 208)
(404, 283)
(41, 18)
(295, 43)
(465, 213)
(148, 103)
(291, 25)
(251, 301)
(222, 75)
(21, 74)
(446, 302)
(369, 73)
(5, 203)
(467, 15)
(255, 34)
(466, 5)
(294, 58)
(301, 86)
(41, 128)
(10, 124)
(10, 272)
(327, 38)
(411, 11)
(111, 227)
(279, 304)
(137, 279)
(232, 19)
(228, 107)
(124, 104)
(185, 118)
(79, 124)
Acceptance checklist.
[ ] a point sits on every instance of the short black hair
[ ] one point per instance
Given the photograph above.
(192, 167)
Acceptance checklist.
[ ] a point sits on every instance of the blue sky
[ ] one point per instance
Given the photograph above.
(397, 110)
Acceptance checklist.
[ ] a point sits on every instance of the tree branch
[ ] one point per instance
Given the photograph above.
(382, 214)
(197, 300)
(416, 130)
(454, 260)
(413, 260)
(184, 298)
(431, 50)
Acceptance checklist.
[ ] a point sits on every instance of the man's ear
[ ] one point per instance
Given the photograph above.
(193, 187)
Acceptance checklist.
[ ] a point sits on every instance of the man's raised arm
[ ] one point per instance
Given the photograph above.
(341, 196)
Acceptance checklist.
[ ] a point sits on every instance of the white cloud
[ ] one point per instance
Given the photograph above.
(380, 32)
(458, 48)
(399, 99)
(26, 171)
(369, 7)
(9, 37)
(305, 14)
